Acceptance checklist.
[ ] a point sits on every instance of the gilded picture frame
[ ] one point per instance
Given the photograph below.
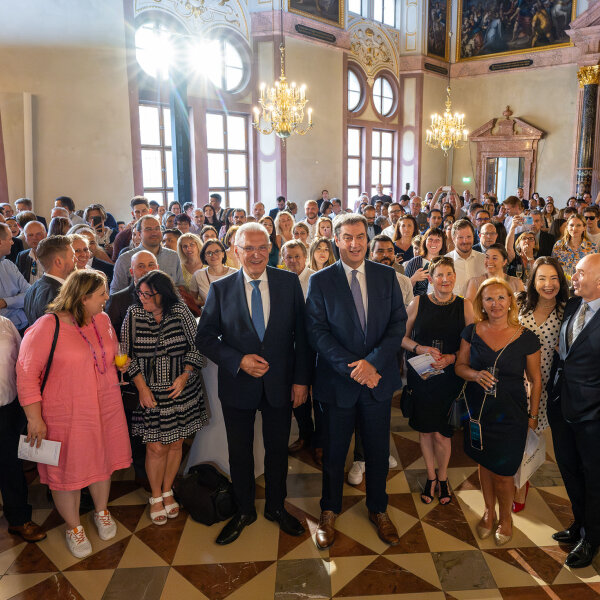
(438, 17)
(326, 11)
(512, 27)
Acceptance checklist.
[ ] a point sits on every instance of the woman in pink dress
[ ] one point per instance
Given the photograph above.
(80, 406)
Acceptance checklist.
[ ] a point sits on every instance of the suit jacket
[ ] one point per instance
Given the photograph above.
(117, 305)
(15, 249)
(577, 378)
(226, 333)
(38, 296)
(376, 229)
(42, 220)
(336, 335)
(546, 244)
(105, 267)
(273, 213)
(24, 263)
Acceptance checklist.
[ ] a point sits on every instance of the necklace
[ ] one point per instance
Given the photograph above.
(91, 347)
(439, 302)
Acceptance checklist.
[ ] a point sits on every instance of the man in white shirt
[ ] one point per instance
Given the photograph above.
(394, 212)
(13, 485)
(513, 208)
(467, 262)
(590, 214)
(382, 251)
(294, 255)
(311, 208)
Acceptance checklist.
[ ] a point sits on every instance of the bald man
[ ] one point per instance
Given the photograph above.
(574, 412)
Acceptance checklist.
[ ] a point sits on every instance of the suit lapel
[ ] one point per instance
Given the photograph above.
(563, 340)
(587, 330)
(275, 298)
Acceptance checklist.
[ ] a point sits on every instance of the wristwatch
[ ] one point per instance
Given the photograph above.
(415, 348)
(534, 417)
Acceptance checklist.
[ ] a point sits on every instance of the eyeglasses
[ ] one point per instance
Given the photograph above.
(211, 253)
(253, 249)
(146, 295)
(592, 218)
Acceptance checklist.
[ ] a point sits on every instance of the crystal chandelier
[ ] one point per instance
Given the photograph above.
(447, 130)
(282, 107)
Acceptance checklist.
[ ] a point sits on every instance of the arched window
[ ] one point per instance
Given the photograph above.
(154, 49)
(383, 96)
(355, 91)
(223, 64)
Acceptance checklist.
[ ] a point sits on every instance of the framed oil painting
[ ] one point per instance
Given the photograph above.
(438, 16)
(503, 27)
(326, 11)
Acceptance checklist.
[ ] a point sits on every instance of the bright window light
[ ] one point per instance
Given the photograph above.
(154, 50)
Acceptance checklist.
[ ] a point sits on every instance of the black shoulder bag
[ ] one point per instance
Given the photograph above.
(51, 355)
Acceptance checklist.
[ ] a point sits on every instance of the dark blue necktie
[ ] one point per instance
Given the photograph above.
(258, 316)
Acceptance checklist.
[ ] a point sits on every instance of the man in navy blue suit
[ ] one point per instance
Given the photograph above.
(253, 327)
(356, 321)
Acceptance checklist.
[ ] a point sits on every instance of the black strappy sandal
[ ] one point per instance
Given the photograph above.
(444, 492)
(424, 494)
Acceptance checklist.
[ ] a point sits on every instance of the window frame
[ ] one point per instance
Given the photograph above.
(363, 93)
(390, 114)
(360, 157)
(391, 160)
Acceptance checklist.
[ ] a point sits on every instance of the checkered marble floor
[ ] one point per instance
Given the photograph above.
(439, 556)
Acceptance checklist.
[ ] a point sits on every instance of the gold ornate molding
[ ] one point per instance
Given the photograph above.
(589, 75)
(372, 48)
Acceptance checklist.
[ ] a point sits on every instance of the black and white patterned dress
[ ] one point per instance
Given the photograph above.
(547, 333)
(160, 351)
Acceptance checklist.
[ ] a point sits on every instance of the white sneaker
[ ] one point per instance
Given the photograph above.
(393, 462)
(107, 528)
(77, 542)
(356, 472)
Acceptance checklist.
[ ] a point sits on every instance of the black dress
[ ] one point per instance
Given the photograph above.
(432, 398)
(504, 417)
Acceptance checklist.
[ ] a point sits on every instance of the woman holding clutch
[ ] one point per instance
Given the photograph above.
(496, 432)
(83, 412)
(434, 325)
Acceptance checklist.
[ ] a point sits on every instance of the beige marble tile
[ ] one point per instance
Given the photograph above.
(177, 586)
(8, 557)
(138, 555)
(11, 585)
(90, 584)
(261, 586)
(344, 569)
(420, 564)
(507, 575)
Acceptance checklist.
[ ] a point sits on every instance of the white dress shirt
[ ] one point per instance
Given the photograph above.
(304, 277)
(474, 266)
(406, 288)
(61, 281)
(264, 293)
(312, 230)
(389, 231)
(362, 280)
(10, 341)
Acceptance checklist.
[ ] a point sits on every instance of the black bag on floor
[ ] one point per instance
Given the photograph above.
(206, 494)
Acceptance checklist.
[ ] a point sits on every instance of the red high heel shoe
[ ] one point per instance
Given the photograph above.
(518, 506)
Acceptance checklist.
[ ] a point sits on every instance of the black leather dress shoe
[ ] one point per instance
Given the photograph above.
(232, 530)
(571, 535)
(582, 555)
(287, 523)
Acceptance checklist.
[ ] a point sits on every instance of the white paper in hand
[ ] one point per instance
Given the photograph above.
(47, 454)
(422, 365)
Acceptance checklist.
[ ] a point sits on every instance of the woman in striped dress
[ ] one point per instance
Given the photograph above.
(165, 364)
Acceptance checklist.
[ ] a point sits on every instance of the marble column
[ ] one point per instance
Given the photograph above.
(588, 77)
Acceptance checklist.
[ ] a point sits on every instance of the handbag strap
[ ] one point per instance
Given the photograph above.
(51, 355)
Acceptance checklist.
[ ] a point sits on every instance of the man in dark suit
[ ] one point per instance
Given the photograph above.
(544, 241)
(26, 204)
(58, 259)
(280, 206)
(253, 327)
(356, 321)
(372, 228)
(27, 261)
(574, 412)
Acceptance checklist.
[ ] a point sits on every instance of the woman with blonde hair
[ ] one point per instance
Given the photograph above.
(189, 246)
(494, 354)
(83, 412)
(573, 245)
(301, 232)
(320, 254)
(325, 228)
(229, 242)
(284, 223)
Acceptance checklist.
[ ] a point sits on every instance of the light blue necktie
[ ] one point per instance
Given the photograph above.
(358, 299)
(258, 316)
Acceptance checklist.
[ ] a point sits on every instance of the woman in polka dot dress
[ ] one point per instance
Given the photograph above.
(541, 311)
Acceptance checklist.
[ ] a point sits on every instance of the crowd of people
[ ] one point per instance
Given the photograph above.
(315, 317)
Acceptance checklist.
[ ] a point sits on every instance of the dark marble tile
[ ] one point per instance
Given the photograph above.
(416, 479)
(535, 561)
(574, 591)
(347, 546)
(52, 520)
(304, 485)
(302, 579)
(470, 483)
(56, 587)
(109, 558)
(408, 451)
(7, 540)
(164, 539)
(413, 541)
(287, 543)
(547, 475)
(145, 583)
(383, 577)
(259, 492)
(463, 570)
(306, 456)
(450, 519)
(561, 507)
(403, 502)
(398, 424)
(350, 501)
(129, 515)
(121, 488)
(216, 581)
(32, 560)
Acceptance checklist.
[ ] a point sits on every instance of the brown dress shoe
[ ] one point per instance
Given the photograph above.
(298, 445)
(326, 531)
(318, 456)
(30, 532)
(385, 528)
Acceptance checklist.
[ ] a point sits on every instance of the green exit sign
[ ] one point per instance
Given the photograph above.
(466, 180)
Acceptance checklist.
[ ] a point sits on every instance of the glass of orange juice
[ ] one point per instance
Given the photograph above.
(120, 360)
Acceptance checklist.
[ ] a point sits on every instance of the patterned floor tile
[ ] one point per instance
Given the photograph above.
(463, 570)
(143, 583)
(55, 587)
(164, 539)
(302, 579)
(90, 584)
(32, 560)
